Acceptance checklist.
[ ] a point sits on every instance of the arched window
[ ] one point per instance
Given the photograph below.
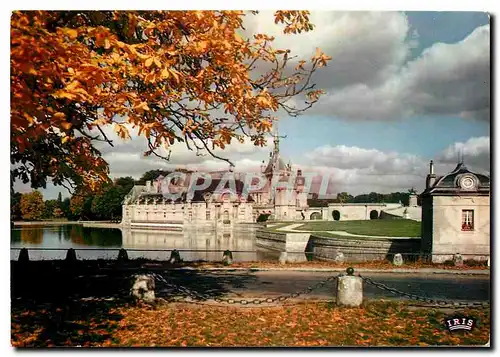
(373, 214)
(336, 215)
(225, 217)
(315, 216)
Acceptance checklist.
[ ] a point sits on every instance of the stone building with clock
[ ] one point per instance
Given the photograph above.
(456, 215)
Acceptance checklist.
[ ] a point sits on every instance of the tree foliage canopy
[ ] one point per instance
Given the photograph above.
(15, 206)
(49, 207)
(174, 76)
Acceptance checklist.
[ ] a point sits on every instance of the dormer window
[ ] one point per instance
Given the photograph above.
(467, 220)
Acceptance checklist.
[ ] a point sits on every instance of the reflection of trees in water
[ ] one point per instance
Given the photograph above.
(76, 235)
(66, 229)
(32, 236)
(104, 237)
(101, 237)
(15, 235)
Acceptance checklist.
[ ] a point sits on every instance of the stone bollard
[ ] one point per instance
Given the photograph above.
(227, 257)
(122, 255)
(458, 260)
(283, 258)
(175, 257)
(71, 256)
(24, 256)
(339, 257)
(397, 260)
(349, 289)
(143, 288)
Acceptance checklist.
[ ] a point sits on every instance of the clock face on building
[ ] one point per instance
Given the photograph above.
(467, 182)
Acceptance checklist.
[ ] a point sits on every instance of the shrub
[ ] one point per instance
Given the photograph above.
(263, 217)
(475, 263)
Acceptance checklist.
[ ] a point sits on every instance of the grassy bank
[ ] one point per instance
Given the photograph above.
(379, 227)
(305, 324)
(340, 236)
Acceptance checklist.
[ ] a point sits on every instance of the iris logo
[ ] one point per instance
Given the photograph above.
(460, 323)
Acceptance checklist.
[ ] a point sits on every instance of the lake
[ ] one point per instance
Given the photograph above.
(52, 242)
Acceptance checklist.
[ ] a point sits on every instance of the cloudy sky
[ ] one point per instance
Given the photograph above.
(401, 89)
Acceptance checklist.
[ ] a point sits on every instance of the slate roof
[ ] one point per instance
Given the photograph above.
(139, 194)
(280, 164)
(447, 184)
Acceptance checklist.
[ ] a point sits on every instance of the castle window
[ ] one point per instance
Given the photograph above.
(467, 220)
(208, 215)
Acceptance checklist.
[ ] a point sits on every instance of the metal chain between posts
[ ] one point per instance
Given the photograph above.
(439, 303)
(199, 296)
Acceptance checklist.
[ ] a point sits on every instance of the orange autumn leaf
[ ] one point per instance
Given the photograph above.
(105, 67)
(72, 33)
(59, 115)
(66, 125)
(149, 62)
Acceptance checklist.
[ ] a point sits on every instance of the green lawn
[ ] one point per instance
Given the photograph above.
(339, 236)
(379, 227)
(278, 225)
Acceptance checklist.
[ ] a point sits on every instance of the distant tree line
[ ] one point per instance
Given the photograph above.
(106, 204)
(375, 197)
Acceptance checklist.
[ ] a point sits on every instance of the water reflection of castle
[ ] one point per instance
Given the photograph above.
(241, 239)
(193, 244)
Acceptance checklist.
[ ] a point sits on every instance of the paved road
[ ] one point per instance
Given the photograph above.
(48, 281)
(274, 283)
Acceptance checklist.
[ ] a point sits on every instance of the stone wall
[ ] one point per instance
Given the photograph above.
(387, 215)
(294, 244)
(297, 242)
(358, 211)
(448, 237)
(427, 222)
(270, 240)
(358, 250)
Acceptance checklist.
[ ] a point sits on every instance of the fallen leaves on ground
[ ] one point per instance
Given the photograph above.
(378, 323)
(333, 265)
